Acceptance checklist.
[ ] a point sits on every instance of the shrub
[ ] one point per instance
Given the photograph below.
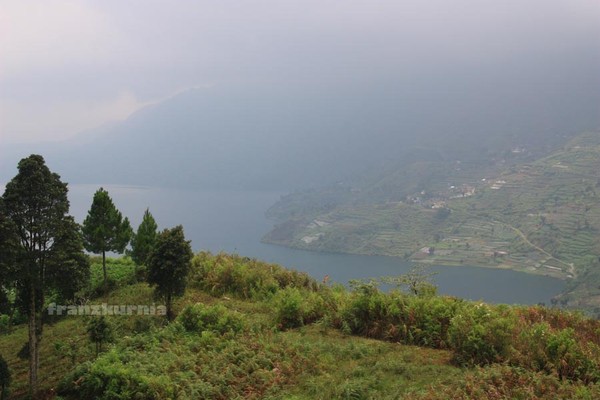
(540, 348)
(366, 313)
(427, 320)
(109, 379)
(335, 299)
(142, 324)
(218, 319)
(167, 364)
(4, 323)
(407, 318)
(568, 359)
(295, 307)
(586, 329)
(121, 271)
(68, 348)
(506, 382)
(244, 277)
(531, 347)
(481, 335)
(100, 331)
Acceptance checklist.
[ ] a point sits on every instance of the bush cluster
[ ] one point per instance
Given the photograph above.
(295, 307)
(507, 382)
(481, 334)
(538, 339)
(478, 334)
(398, 316)
(217, 319)
(171, 365)
(121, 271)
(244, 277)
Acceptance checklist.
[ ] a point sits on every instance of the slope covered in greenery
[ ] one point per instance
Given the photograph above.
(247, 329)
(540, 216)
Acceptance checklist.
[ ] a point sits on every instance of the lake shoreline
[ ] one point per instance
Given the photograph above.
(431, 261)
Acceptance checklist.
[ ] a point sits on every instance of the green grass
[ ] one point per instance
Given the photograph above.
(366, 369)
(359, 345)
(297, 363)
(119, 270)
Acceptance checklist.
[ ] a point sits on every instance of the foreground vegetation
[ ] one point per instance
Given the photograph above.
(247, 329)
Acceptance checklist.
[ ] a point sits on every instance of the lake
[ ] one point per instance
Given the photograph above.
(234, 222)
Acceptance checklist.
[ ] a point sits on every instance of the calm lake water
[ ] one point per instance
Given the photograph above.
(235, 222)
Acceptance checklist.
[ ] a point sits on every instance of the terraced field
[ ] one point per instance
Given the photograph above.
(541, 217)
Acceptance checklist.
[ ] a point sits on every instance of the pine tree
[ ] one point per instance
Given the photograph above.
(168, 265)
(143, 240)
(35, 202)
(104, 229)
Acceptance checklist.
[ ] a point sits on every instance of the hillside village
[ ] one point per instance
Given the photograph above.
(540, 216)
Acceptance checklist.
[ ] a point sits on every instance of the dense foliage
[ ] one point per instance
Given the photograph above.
(201, 365)
(507, 382)
(120, 271)
(248, 329)
(244, 277)
(41, 247)
(216, 319)
(168, 265)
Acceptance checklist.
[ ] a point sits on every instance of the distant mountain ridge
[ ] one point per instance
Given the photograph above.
(280, 138)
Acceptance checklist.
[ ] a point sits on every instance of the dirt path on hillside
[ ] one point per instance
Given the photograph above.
(570, 267)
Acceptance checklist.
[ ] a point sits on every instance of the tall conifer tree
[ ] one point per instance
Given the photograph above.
(143, 240)
(49, 246)
(104, 229)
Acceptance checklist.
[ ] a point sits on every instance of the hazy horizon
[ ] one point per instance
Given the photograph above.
(71, 67)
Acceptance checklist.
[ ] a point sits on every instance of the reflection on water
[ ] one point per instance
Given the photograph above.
(234, 222)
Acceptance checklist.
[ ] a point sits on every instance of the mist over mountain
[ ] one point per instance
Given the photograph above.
(290, 95)
(284, 138)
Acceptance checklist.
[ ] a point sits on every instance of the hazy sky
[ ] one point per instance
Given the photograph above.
(67, 66)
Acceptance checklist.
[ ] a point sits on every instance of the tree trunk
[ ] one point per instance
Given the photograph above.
(38, 338)
(169, 312)
(33, 342)
(105, 276)
(39, 329)
(11, 316)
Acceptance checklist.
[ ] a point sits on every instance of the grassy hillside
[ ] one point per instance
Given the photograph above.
(541, 216)
(246, 329)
